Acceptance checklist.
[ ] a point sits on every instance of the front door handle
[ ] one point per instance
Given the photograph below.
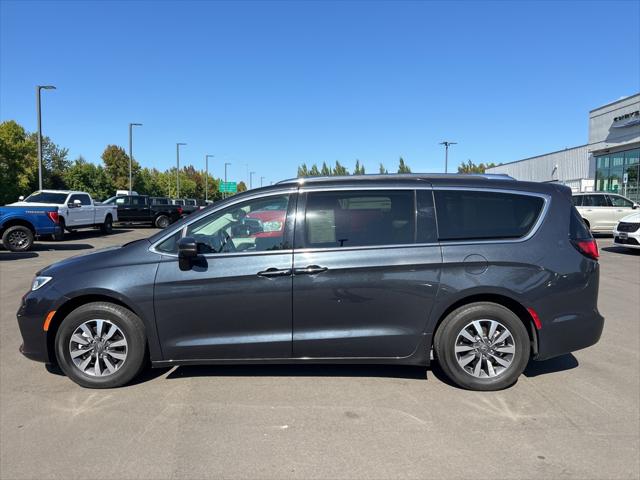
(309, 270)
(275, 272)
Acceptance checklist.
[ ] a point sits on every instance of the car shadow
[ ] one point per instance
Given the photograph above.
(146, 375)
(553, 365)
(622, 250)
(316, 370)
(60, 246)
(7, 256)
(84, 234)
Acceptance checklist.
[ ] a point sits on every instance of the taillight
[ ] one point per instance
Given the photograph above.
(588, 248)
(179, 210)
(53, 216)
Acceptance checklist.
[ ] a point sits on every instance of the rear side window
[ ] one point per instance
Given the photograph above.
(426, 220)
(361, 218)
(618, 201)
(577, 200)
(138, 201)
(478, 215)
(594, 201)
(577, 228)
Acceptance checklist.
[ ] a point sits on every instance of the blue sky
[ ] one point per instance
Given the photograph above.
(274, 84)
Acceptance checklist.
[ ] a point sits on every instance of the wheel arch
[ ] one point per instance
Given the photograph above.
(500, 299)
(17, 222)
(71, 304)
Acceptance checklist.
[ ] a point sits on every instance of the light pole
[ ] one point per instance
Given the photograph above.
(261, 179)
(446, 154)
(226, 164)
(251, 174)
(131, 125)
(206, 177)
(178, 168)
(38, 108)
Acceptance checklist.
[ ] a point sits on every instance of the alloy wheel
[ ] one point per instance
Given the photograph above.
(98, 348)
(18, 239)
(485, 348)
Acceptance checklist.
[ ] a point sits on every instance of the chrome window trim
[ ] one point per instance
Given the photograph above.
(245, 198)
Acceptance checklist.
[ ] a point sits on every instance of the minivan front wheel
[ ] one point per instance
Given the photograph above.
(101, 345)
(482, 346)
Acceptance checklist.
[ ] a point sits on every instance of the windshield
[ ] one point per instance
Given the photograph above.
(46, 197)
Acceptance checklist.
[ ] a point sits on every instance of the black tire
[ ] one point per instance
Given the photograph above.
(132, 329)
(107, 226)
(18, 238)
(447, 336)
(162, 221)
(58, 237)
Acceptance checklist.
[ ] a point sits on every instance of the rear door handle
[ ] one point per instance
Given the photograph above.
(275, 272)
(309, 270)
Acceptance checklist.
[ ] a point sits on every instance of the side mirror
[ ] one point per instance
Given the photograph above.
(21, 198)
(187, 252)
(635, 205)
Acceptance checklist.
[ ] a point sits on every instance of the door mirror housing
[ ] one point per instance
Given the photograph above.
(187, 252)
(75, 204)
(635, 206)
(21, 198)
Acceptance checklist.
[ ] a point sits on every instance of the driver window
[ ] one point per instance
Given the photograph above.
(253, 226)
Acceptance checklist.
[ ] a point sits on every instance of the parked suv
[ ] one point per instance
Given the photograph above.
(479, 272)
(602, 211)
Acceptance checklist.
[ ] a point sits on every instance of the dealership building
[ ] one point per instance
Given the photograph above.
(610, 162)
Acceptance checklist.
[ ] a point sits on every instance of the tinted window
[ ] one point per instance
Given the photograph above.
(252, 226)
(471, 215)
(577, 200)
(84, 199)
(160, 201)
(122, 200)
(618, 201)
(577, 228)
(426, 217)
(351, 219)
(46, 197)
(138, 201)
(594, 201)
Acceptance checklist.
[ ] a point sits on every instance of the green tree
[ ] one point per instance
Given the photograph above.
(471, 167)
(242, 187)
(85, 176)
(325, 171)
(314, 172)
(15, 149)
(402, 167)
(116, 162)
(383, 170)
(340, 170)
(359, 169)
(303, 171)
(54, 163)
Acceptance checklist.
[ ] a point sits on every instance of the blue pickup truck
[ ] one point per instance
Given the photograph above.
(19, 226)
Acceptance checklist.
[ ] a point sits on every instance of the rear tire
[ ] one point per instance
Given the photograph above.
(107, 226)
(491, 361)
(17, 238)
(101, 345)
(162, 221)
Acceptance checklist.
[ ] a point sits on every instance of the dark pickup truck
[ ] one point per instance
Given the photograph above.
(141, 209)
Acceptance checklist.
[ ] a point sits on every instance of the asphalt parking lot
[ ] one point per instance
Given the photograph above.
(577, 416)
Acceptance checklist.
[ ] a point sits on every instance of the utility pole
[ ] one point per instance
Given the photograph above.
(178, 168)
(251, 174)
(38, 108)
(206, 177)
(225, 175)
(261, 179)
(446, 154)
(131, 125)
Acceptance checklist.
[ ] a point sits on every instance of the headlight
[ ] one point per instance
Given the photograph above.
(39, 282)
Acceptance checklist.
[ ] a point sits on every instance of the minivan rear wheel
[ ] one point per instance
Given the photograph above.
(482, 346)
(101, 345)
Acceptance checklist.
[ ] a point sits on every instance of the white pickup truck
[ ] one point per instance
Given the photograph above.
(75, 209)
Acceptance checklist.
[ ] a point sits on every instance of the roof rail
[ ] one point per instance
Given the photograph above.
(395, 176)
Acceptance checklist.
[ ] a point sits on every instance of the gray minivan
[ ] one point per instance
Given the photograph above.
(480, 272)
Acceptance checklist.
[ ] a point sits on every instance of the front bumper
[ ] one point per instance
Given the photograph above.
(35, 306)
(627, 239)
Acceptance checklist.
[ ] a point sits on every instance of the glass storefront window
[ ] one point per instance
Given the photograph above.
(611, 169)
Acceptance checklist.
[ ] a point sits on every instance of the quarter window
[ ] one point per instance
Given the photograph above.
(360, 218)
(618, 201)
(477, 215)
(594, 201)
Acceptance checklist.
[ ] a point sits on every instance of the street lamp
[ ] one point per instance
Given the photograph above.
(131, 125)
(261, 179)
(446, 153)
(206, 177)
(178, 168)
(251, 174)
(225, 175)
(38, 108)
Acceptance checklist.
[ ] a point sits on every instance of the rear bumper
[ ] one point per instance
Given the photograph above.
(54, 230)
(569, 333)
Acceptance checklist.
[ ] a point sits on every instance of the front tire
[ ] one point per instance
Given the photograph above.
(17, 238)
(101, 345)
(162, 221)
(482, 346)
